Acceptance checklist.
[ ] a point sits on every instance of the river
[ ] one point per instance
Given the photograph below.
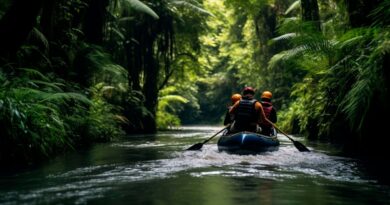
(155, 170)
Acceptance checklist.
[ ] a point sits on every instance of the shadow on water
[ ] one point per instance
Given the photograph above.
(154, 169)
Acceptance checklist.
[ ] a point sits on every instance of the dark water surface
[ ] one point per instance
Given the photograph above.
(155, 170)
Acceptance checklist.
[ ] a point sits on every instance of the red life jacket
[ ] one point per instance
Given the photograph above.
(267, 107)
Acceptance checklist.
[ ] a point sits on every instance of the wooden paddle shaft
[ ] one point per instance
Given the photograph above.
(216, 134)
(279, 129)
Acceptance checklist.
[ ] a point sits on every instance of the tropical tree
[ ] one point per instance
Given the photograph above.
(149, 41)
(345, 81)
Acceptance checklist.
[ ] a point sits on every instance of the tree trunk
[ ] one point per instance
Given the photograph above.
(310, 12)
(141, 59)
(265, 22)
(95, 21)
(135, 59)
(151, 86)
(16, 25)
(48, 19)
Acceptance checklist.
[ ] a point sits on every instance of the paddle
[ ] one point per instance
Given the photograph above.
(298, 145)
(198, 146)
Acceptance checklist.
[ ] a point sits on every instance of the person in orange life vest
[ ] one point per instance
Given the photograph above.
(248, 112)
(228, 117)
(270, 113)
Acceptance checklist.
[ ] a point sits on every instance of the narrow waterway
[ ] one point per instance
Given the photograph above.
(154, 169)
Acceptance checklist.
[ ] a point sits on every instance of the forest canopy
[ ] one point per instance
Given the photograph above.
(80, 71)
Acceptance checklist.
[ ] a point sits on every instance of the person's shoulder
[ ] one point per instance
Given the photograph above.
(234, 106)
(258, 104)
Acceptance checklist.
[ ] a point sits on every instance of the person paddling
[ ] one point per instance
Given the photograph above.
(270, 112)
(229, 118)
(248, 112)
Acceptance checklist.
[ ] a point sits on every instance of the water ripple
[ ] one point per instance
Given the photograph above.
(88, 182)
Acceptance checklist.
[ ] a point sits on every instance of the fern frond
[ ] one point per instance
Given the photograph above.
(27, 93)
(54, 86)
(33, 73)
(66, 96)
(39, 109)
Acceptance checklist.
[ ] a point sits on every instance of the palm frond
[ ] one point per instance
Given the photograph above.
(126, 19)
(174, 98)
(286, 36)
(35, 33)
(276, 59)
(118, 33)
(108, 91)
(310, 47)
(293, 6)
(349, 43)
(139, 6)
(290, 25)
(369, 53)
(355, 107)
(381, 14)
(115, 69)
(197, 8)
(171, 102)
(320, 46)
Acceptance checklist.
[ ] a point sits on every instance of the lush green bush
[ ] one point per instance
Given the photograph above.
(38, 119)
(31, 115)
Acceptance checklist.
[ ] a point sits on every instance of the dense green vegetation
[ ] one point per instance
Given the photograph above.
(80, 71)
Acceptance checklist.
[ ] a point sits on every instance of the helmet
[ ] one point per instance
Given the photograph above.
(236, 97)
(266, 94)
(248, 90)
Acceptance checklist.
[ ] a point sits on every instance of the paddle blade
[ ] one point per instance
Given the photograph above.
(196, 146)
(300, 146)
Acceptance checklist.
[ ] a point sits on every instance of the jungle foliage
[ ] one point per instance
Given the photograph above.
(325, 62)
(80, 71)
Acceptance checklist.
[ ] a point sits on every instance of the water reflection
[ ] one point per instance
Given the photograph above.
(156, 170)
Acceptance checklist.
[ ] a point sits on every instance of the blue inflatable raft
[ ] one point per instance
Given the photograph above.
(247, 143)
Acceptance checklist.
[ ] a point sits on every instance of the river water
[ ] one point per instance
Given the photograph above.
(154, 170)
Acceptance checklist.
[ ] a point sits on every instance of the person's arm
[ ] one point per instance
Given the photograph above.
(233, 108)
(260, 110)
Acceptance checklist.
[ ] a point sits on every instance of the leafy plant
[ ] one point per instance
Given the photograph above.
(31, 115)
